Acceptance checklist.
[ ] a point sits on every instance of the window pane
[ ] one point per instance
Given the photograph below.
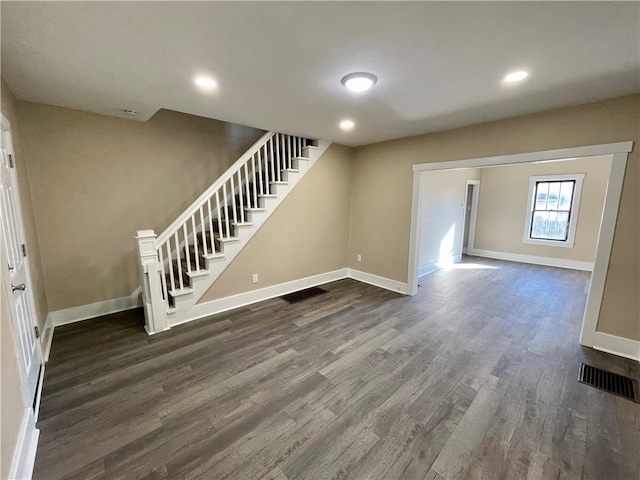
(541, 195)
(554, 195)
(550, 225)
(566, 194)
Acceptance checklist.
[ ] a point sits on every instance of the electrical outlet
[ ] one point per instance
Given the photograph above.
(255, 278)
(359, 258)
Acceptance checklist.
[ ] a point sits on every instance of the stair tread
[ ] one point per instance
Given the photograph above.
(177, 292)
(267, 195)
(279, 182)
(203, 272)
(291, 170)
(227, 239)
(214, 256)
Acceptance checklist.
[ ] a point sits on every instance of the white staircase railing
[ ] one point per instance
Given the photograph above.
(171, 260)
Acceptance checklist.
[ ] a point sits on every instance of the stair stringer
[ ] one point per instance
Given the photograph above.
(184, 303)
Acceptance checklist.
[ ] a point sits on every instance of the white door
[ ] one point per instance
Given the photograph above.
(16, 269)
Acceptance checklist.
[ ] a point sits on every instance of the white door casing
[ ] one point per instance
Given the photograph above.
(16, 269)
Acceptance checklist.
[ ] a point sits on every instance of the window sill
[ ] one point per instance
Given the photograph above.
(549, 243)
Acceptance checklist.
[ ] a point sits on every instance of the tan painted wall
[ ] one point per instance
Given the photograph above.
(12, 405)
(33, 247)
(307, 235)
(97, 179)
(382, 184)
(502, 208)
(442, 213)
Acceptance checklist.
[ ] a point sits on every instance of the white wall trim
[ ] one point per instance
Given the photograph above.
(24, 455)
(603, 248)
(432, 267)
(93, 310)
(220, 305)
(560, 154)
(620, 346)
(382, 282)
(547, 261)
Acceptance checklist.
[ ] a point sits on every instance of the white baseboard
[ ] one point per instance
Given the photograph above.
(433, 267)
(547, 261)
(377, 281)
(93, 310)
(24, 455)
(220, 305)
(623, 347)
(201, 310)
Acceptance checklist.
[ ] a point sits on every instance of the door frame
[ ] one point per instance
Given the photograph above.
(5, 125)
(473, 216)
(619, 153)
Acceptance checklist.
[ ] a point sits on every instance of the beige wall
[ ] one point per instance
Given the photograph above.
(307, 235)
(382, 186)
(12, 404)
(96, 180)
(502, 208)
(442, 214)
(33, 247)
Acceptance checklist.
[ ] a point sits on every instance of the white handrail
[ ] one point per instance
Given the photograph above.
(195, 206)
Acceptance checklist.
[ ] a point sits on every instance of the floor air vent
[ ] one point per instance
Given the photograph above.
(609, 382)
(301, 295)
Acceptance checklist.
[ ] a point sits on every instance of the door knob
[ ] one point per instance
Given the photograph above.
(22, 287)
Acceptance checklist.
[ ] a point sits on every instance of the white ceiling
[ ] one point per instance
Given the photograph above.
(279, 65)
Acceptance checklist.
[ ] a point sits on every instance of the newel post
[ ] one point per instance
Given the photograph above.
(150, 268)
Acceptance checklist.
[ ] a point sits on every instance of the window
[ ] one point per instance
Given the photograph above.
(552, 209)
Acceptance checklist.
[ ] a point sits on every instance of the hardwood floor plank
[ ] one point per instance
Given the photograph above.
(474, 377)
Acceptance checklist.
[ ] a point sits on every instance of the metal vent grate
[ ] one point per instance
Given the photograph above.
(609, 382)
(301, 295)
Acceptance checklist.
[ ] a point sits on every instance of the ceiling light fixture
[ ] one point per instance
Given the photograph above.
(514, 77)
(346, 124)
(206, 83)
(359, 82)
(128, 111)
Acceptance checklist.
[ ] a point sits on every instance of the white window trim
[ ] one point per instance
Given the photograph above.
(573, 218)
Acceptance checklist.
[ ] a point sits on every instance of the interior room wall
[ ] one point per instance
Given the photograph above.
(442, 215)
(97, 179)
(307, 235)
(502, 207)
(382, 190)
(9, 110)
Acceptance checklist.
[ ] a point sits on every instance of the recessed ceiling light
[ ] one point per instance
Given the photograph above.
(346, 124)
(128, 111)
(359, 82)
(206, 83)
(515, 76)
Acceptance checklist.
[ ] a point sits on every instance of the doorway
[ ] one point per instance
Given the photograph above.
(472, 194)
(618, 152)
(16, 271)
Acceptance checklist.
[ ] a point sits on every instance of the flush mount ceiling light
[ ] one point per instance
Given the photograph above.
(206, 83)
(129, 111)
(515, 77)
(346, 124)
(359, 82)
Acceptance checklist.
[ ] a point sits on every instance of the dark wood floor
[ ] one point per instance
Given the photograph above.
(475, 377)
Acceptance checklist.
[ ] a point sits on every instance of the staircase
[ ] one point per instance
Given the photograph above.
(179, 265)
